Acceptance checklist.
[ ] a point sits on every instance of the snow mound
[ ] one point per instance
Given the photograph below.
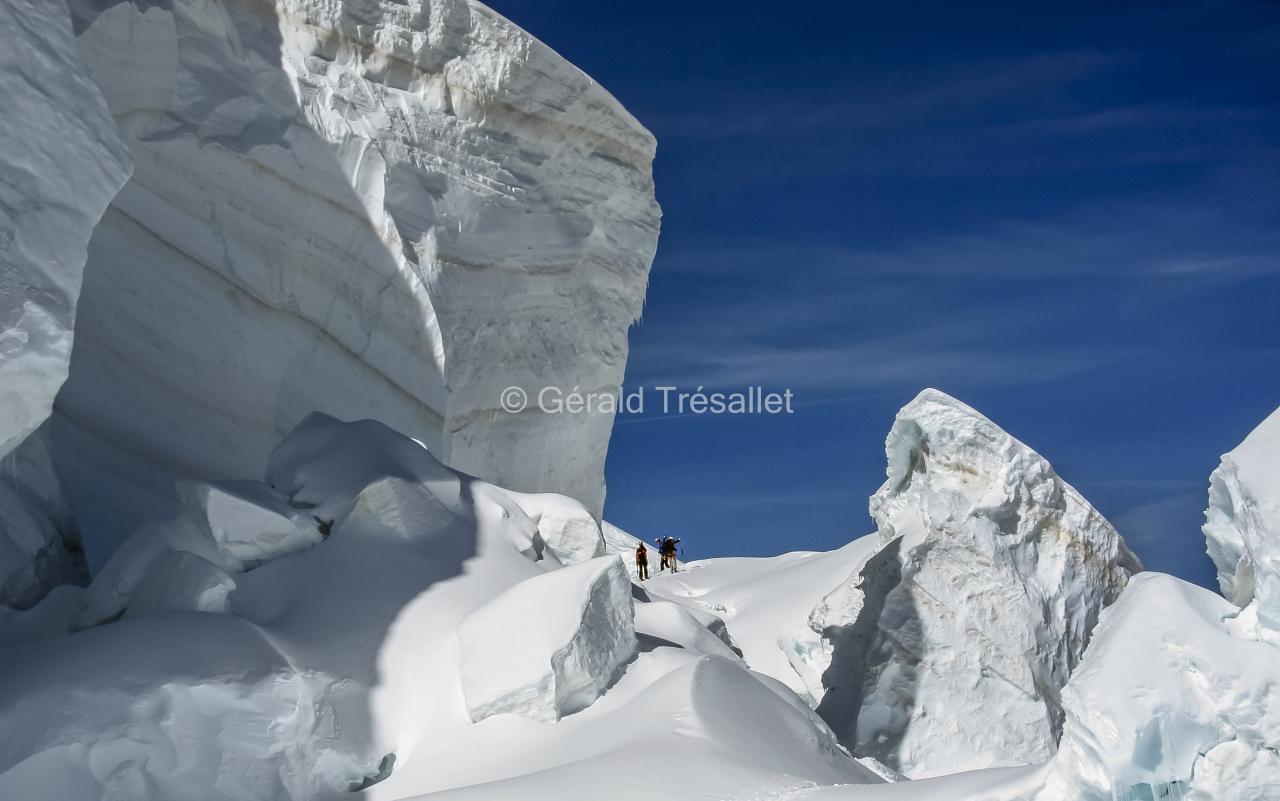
(227, 528)
(565, 528)
(668, 622)
(624, 544)
(282, 693)
(179, 581)
(1242, 523)
(707, 729)
(1168, 703)
(549, 646)
(948, 648)
(763, 606)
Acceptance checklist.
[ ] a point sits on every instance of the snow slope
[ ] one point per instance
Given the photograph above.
(941, 642)
(765, 603)
(1172, 700)
(516, 657)
(364, 207)
(341, 667)
(1242, 523)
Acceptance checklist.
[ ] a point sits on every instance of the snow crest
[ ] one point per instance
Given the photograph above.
(1242, 523)
(947, 650)
(1170, 702)
(549, 646)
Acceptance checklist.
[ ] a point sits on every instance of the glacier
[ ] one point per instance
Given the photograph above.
(358, 662)
(312, 241)
(549, 646)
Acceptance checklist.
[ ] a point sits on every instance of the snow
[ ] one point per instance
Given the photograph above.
(980, 541)
(377, 209)
(225, 528)
(765, 604)
(1242, 523)
(671, 624)
(353, 663)
(565, 527)
(180, 581)
(1169, 702)
(288, 214)
(549, 646)
(735, 736)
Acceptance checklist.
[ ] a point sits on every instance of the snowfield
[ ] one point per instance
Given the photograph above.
(389, 632)
(317, 238)
(404, 643)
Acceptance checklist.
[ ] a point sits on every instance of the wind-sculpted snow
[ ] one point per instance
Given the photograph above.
(566, 530)
(332, 629)
(371, 208)
(948, 648)
(226, 528)
(60, 164)
(1242, 523)
(549, 646)
(1173, 700)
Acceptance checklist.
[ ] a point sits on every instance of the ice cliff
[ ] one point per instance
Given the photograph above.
(53, 118)
(1242, 523)
(373, 209)
(949, 647)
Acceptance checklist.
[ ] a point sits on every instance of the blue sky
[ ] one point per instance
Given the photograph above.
(1068, 218)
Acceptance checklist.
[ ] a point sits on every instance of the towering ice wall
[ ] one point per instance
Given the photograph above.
(369, 208)
(60, 164)
(948, 649)
(1242, 523)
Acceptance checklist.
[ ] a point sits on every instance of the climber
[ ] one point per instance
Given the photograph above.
(642, 561)
(669, 553)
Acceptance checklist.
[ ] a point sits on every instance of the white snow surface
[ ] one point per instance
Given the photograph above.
(1242, 523)
(948, 648)
(1174, 699)
(549, 646)
(306, 674)
(566, 530)
(765, 604)
(373, 208)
